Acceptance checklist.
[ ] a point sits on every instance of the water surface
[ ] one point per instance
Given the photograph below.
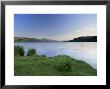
(86, 51)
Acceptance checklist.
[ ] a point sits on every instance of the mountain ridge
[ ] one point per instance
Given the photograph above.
(78, 39)
(28, 39)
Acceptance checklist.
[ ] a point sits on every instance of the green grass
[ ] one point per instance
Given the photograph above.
(60, 65)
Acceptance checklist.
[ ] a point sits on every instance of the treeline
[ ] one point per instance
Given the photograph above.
(84, 39)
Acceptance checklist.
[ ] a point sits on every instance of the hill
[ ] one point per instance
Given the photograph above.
(84, 39)
(26, 39)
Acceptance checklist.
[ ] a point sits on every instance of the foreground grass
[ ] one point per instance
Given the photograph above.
(61, 65)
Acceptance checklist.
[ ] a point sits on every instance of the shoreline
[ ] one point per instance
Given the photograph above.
(51, 66)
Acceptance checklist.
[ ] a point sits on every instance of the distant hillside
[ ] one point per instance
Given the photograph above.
(25, 39)
(84, 39)
(46, 40)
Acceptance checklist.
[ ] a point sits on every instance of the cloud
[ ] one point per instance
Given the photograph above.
(86, 31)
(78, 31)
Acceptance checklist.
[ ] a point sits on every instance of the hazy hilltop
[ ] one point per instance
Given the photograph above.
(26, 39)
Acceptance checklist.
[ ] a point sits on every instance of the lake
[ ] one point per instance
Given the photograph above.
(86, 51)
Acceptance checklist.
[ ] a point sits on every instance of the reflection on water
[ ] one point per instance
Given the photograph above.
(86, 51)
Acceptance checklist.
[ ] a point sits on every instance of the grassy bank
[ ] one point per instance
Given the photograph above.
(61, 65)
(39, 65)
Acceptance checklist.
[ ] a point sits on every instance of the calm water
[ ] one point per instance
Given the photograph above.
(86, 51)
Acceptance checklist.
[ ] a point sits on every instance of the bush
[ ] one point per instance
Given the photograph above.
(19, 51)
(64, 66)
(43, 56)
(31, 52)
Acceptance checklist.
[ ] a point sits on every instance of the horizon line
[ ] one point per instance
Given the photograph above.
(52, 39)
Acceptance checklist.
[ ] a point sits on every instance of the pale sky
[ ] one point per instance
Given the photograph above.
(55, 26)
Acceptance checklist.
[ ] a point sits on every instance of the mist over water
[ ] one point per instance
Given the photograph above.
(86, 51)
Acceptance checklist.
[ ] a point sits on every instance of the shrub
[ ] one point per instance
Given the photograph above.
(64, 66)
(43, 56)
(19, 51)
(31, 52)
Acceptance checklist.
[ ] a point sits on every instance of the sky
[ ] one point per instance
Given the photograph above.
(55, 26)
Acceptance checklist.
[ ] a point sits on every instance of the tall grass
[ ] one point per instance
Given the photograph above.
(31, 52)
(19, 51)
